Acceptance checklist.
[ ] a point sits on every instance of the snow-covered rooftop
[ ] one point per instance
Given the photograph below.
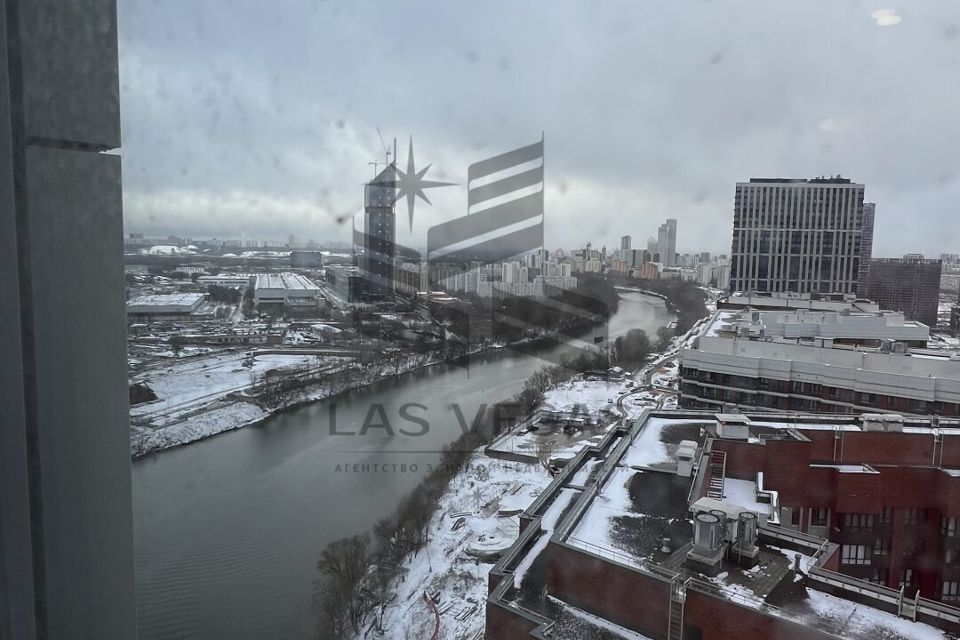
(288, 281)
(165, 302)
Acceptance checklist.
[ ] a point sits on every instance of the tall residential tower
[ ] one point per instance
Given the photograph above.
(667, 242)
(379, 234)
(799, 235)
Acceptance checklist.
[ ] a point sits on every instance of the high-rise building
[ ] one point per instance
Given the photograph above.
(866, 243)
(511, 272)
(379, 234)
(797, 235)
(667, 242)
(625, 243)
(910, 284)
(66, 525)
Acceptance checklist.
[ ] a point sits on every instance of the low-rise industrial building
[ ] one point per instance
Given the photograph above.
(290, 291)
(692, 525)
(345, 283)
(165, 306)
(805, 360)
(232, 280)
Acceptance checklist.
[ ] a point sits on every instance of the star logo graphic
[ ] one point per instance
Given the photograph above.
(410, 184)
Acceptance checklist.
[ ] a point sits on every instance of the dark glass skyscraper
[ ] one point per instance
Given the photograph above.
(866, 244)
(910, 284)
(379, 234)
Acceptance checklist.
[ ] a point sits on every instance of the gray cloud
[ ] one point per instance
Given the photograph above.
(259, 118)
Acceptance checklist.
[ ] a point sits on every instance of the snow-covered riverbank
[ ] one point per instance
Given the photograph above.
(488, 497)
(206, 396)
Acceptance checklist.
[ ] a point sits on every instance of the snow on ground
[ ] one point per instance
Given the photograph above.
(666, 376)
(204, 379)
(547, 524)
(238, 414)
(596, 525)
(585, 395)
(444, 565)
(583, 473)
(743, 493)
(862, 621)
(805, 561)
(845, 617)
(647, 449)
(636, 403)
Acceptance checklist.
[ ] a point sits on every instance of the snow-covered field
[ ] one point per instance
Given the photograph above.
(206, 424)
(194, 397)
(190, 384)
(584, 396)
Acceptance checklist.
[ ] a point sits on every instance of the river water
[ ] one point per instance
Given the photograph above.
(228, 530)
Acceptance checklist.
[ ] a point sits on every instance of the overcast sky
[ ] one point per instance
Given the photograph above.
(259, 118)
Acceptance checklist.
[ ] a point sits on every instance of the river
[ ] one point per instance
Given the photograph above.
(228, 530)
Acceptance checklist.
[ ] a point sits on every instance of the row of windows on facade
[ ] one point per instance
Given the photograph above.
(863, 553)
(853, 521)
(819, 392)
(911, 516)
(816, 203)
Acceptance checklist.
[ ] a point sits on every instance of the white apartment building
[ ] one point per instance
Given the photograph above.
(828, 361)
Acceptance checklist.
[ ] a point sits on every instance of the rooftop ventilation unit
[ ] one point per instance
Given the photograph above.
(686, 451)
(725, 525)
(706, 554)
(745, 546)
(733, 426)
(881, 422)
(707, 531)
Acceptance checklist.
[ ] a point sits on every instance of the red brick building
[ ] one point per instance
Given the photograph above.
(849, 507)
(891, 500)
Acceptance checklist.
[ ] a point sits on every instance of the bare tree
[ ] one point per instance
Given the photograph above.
(343, 565)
